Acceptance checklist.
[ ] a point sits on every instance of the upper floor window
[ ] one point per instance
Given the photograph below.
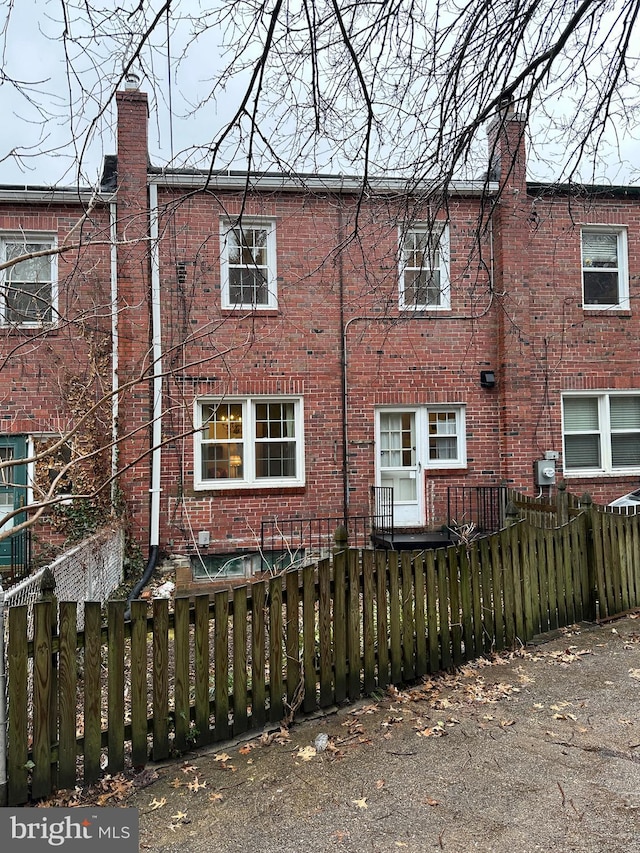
(424, 268)
(248, 264)
(605, 278)
(29, 289)
(601, 433)
(251, 441)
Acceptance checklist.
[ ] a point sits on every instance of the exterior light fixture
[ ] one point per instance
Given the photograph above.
(487, 378)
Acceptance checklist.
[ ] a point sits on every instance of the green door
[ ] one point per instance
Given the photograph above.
(13, 482)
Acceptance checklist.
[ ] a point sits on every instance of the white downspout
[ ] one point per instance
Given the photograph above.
(4, 790)
(113, 212)
(156, 337)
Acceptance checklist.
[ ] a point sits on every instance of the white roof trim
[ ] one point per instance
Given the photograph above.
(317, 183)
(53, 195)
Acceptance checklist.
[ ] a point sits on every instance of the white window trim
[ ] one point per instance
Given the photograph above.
(227, 225)
(249, 481)
(461, 434)
(604, 430)
(48, 241)
(445, 282)
(422, 436)
(620, 231)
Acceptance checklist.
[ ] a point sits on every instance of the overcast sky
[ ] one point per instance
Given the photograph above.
(50, 151)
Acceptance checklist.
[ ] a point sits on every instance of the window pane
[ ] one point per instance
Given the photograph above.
(248, 266)
(601, 288)
(580, 414)
(443, 448)
(6, 506)
(6, 474)
(28, 302)
(625, 450)
(248, 287)
(442, 423)
(221, 461)
(582, 451)
(275, 459)
(397, 439)
(35, 269)
(624, 412)
(421, 282)
(422, 288)
(599, 249)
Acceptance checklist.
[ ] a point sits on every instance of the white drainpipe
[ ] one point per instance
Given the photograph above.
(156, 337)
(113, 212)
(3, 710)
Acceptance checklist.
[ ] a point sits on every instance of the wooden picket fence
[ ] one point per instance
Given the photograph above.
(123, 692)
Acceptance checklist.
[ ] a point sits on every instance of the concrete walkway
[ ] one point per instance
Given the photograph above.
(534, 751)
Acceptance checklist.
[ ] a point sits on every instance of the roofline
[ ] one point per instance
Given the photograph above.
(341, 184)
(575, 189)
(53, 195)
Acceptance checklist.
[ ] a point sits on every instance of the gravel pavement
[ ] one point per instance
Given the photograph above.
(538, 750)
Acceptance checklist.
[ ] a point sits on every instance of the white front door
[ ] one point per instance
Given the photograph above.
(399, 463)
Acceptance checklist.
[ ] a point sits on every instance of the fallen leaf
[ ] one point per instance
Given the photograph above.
(157, 804)
(380, 784)
(188, 768)
(307, 753)
(215, 798)
(634, 673)
(506, 723)
(429, 801)
(222, 756)
(178, 816)
(196, 785)
(245, 750)
(361, 804)
(176, 783)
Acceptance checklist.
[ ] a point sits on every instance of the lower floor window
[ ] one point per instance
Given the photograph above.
(601, 432)
(252, 441)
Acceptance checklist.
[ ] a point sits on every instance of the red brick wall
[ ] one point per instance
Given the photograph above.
(48, 373)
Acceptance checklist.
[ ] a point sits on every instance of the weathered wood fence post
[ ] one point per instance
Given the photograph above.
(340, 539)
(593, 602)
(562, 503)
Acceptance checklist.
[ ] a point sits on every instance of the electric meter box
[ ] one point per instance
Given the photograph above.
(544, 472)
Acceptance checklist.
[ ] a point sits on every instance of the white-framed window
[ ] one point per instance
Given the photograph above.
(605, 275)
(424, 268)
(248, 264)
(29, 287)
(447, 445)
(249, 442)
(601, 433)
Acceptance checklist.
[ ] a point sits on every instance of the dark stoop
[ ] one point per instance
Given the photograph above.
(411, 540)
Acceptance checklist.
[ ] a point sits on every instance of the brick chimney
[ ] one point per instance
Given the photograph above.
(134, 312)
(508, 167)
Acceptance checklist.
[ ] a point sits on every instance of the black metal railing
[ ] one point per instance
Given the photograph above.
(291, 541)
(20, 556)
(484, 507)
(300, 540)
(382, 511)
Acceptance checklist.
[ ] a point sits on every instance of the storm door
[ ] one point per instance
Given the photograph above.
(399, 463)
(13, 481)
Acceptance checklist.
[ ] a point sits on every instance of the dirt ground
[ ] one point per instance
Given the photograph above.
(537, 750)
